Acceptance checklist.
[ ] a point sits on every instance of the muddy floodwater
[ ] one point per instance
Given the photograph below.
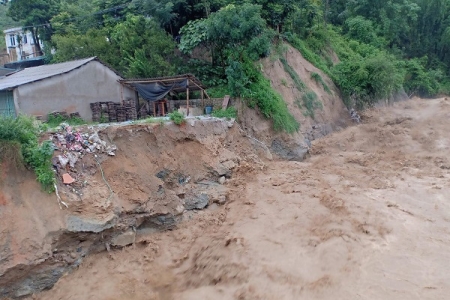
(366, 216)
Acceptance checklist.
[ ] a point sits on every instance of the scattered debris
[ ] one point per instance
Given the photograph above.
(355, 116)
(67, 179)
(73, 145)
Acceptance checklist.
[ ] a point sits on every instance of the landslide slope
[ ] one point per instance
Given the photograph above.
(160, 174)
(326, 113)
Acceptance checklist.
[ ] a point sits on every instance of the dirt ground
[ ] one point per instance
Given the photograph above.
(367, 216)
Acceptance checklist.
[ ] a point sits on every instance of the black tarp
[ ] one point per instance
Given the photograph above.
(155, 91)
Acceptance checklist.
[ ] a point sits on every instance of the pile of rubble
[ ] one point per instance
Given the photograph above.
(73, 145)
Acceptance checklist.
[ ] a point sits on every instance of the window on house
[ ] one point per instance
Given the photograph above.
(12, 40)
(24, 39)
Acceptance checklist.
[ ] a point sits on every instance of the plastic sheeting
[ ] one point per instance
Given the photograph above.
(155, 91)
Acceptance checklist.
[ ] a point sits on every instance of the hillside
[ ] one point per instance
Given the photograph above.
(315, 104)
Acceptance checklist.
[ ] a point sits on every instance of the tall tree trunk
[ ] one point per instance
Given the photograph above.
(35, 35)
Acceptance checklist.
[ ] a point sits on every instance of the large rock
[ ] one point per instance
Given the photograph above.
(124, 239)
(289, 152)
(194, 201)
(80, 224)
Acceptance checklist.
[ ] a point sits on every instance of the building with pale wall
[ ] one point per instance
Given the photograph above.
(20, 44)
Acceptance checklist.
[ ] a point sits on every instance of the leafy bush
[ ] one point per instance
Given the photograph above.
(218, 91)
(177, 117)
(367, 80)
(53, 121)
(420, 81)
(361, 29)
(245, 81)
(23, 133)
(228, 113)
(211, 76)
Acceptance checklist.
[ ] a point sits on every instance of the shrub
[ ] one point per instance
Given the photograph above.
(177, 117)
(53, 121)
(419, 80)
(22, 133)
(229, 113)
(246, 81)
(369, 79)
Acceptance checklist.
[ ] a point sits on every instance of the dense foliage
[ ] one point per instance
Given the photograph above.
(370, 49)
(5, 23)
(22, 134)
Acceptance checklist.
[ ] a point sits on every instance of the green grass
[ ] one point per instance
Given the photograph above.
(229, 113)
(261, 94)
(54, 121)
(22, 134)
(308, 54)
(299, 84)
(319, 79)
(310, 104)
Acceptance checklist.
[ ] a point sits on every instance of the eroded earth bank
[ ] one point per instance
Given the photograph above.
(365, 216)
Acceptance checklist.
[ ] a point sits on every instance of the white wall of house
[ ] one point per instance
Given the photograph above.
(71, 92)
(23, 50)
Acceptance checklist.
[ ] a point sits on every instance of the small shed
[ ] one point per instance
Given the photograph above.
(162, 94)
(68, 87)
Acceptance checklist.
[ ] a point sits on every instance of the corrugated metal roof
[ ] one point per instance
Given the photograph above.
(33, 74)
(6, 71)
(196, 86)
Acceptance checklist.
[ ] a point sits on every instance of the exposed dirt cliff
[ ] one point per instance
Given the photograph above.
(329, 114)
(159, 173)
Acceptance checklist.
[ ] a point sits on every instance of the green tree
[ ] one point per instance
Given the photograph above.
(136, 47)
(35, 15)
(148, 50)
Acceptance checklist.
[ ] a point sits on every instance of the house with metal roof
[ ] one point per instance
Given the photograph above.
(20, 44)
(5, 71)
(65, 87)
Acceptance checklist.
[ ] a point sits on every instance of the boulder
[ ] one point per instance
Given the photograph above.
(124, 239)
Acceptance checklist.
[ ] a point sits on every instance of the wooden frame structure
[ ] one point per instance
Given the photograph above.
(193, 84)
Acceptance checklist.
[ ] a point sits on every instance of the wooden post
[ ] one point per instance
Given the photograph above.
(203, 102)
(121, 94)
(187, 97)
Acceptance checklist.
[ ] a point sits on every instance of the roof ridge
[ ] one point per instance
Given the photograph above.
(33, 74)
